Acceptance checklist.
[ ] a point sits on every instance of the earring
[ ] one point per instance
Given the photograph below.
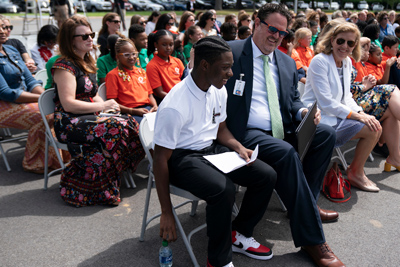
(156, 52)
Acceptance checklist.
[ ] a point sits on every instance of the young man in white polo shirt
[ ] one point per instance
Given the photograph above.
(190, 123)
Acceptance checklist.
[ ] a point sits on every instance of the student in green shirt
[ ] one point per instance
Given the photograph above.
(108, 62)
(192, 35)
(49, 65)
(139, 37)
(314, 32)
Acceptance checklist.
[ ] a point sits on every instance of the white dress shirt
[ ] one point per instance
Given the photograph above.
(189, 118)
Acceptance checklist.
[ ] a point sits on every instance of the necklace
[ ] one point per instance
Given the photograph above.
(124, 75)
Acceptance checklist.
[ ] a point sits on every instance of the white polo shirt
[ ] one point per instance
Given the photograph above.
(188, 118)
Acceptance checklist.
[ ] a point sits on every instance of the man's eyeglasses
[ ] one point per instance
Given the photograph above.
(86, 36)
(341, 41)
(274, 30)
(213, 19)
(116, 21)
(10, 27)
(128, 55)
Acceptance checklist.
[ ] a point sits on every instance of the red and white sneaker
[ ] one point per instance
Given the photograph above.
(227, 265)
(250, 247)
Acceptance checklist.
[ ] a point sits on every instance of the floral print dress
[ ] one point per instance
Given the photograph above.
(375, 101)
(101, 147)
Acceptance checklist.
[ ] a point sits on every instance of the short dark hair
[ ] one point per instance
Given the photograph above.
(48, 33)
(390, 40)
(373, 48)
(243, 29)
(227, 27)
(312, 23)
(210, 49)
(397, 30)
(371, 31)
(134, 30)
(271, 8)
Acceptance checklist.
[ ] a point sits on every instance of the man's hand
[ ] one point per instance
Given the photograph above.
(245, 153)
(167, 227)
(317, 117)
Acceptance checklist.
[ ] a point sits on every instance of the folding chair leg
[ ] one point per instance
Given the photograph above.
(371, 158)
(46, 164)
(341, 157)
(194, 207)
(146, 208)
(5, 158)
(126, 180)
(130, 177)
(280, 201)
(185, 239)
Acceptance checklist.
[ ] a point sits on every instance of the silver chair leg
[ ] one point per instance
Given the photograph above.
(280, 201)
(5, 158)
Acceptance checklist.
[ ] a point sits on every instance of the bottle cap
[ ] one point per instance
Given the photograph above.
(165, 243)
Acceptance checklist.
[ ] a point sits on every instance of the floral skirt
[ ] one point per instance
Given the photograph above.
(376, 100)
(101, 149)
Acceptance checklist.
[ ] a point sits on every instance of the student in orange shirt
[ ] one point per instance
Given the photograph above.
(374, 65)
(163, 71)
(128, 84)
(302, 40)
(390, 46)
(383, 102)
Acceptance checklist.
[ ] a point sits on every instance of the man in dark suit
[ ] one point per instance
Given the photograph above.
(250, 121)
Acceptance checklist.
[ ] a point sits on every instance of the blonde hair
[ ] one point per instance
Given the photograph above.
(325, 43)
(300, 34)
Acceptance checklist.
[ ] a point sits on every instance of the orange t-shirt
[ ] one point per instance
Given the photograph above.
(362, 70)
(284, 50)
(305, 55)
(297, 59)
(132, 92)
(165, 74)
(375, 70)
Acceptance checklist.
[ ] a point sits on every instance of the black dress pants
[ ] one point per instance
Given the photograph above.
(189, 170)
(298, 183)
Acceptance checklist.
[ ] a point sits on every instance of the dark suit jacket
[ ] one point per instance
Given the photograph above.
(394, 77)
(238, 107)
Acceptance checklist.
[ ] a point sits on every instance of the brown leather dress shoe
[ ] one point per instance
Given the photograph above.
(323, 256)
(328, 215)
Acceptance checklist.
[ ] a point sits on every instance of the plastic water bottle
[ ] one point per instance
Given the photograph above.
(165, 255)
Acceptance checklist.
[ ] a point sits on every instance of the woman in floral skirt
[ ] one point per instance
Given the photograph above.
(101, 147)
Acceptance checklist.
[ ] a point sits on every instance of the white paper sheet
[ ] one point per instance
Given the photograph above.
(151, 118)
(230, 161)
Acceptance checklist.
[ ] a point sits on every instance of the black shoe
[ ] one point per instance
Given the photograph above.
(381, 150)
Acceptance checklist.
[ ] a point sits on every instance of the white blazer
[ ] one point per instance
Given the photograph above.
(323, 84)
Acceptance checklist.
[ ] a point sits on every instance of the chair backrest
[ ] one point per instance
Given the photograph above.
(102, 91)
(146, 134)
(41, 75)
(300, 87)
(46, 107)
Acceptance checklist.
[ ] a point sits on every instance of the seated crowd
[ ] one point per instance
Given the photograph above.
(189, 73)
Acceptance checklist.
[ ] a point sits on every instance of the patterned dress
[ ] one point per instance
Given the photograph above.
(374, 101)
(101, 147)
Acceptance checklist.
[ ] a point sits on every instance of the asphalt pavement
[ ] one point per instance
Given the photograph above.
(39, 229)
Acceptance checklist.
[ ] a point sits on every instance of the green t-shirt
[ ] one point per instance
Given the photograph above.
(49, 65)
(144, 59)
(378, 44)
(186, 50)
(105, 64)
(313, 39)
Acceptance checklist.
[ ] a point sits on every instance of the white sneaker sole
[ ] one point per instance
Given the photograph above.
(239, 250)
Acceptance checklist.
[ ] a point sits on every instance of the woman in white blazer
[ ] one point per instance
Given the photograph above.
(328, 82)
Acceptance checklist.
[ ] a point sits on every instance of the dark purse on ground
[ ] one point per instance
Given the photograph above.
(335, 185)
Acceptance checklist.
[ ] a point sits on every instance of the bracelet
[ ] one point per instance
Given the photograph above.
(348, 116)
